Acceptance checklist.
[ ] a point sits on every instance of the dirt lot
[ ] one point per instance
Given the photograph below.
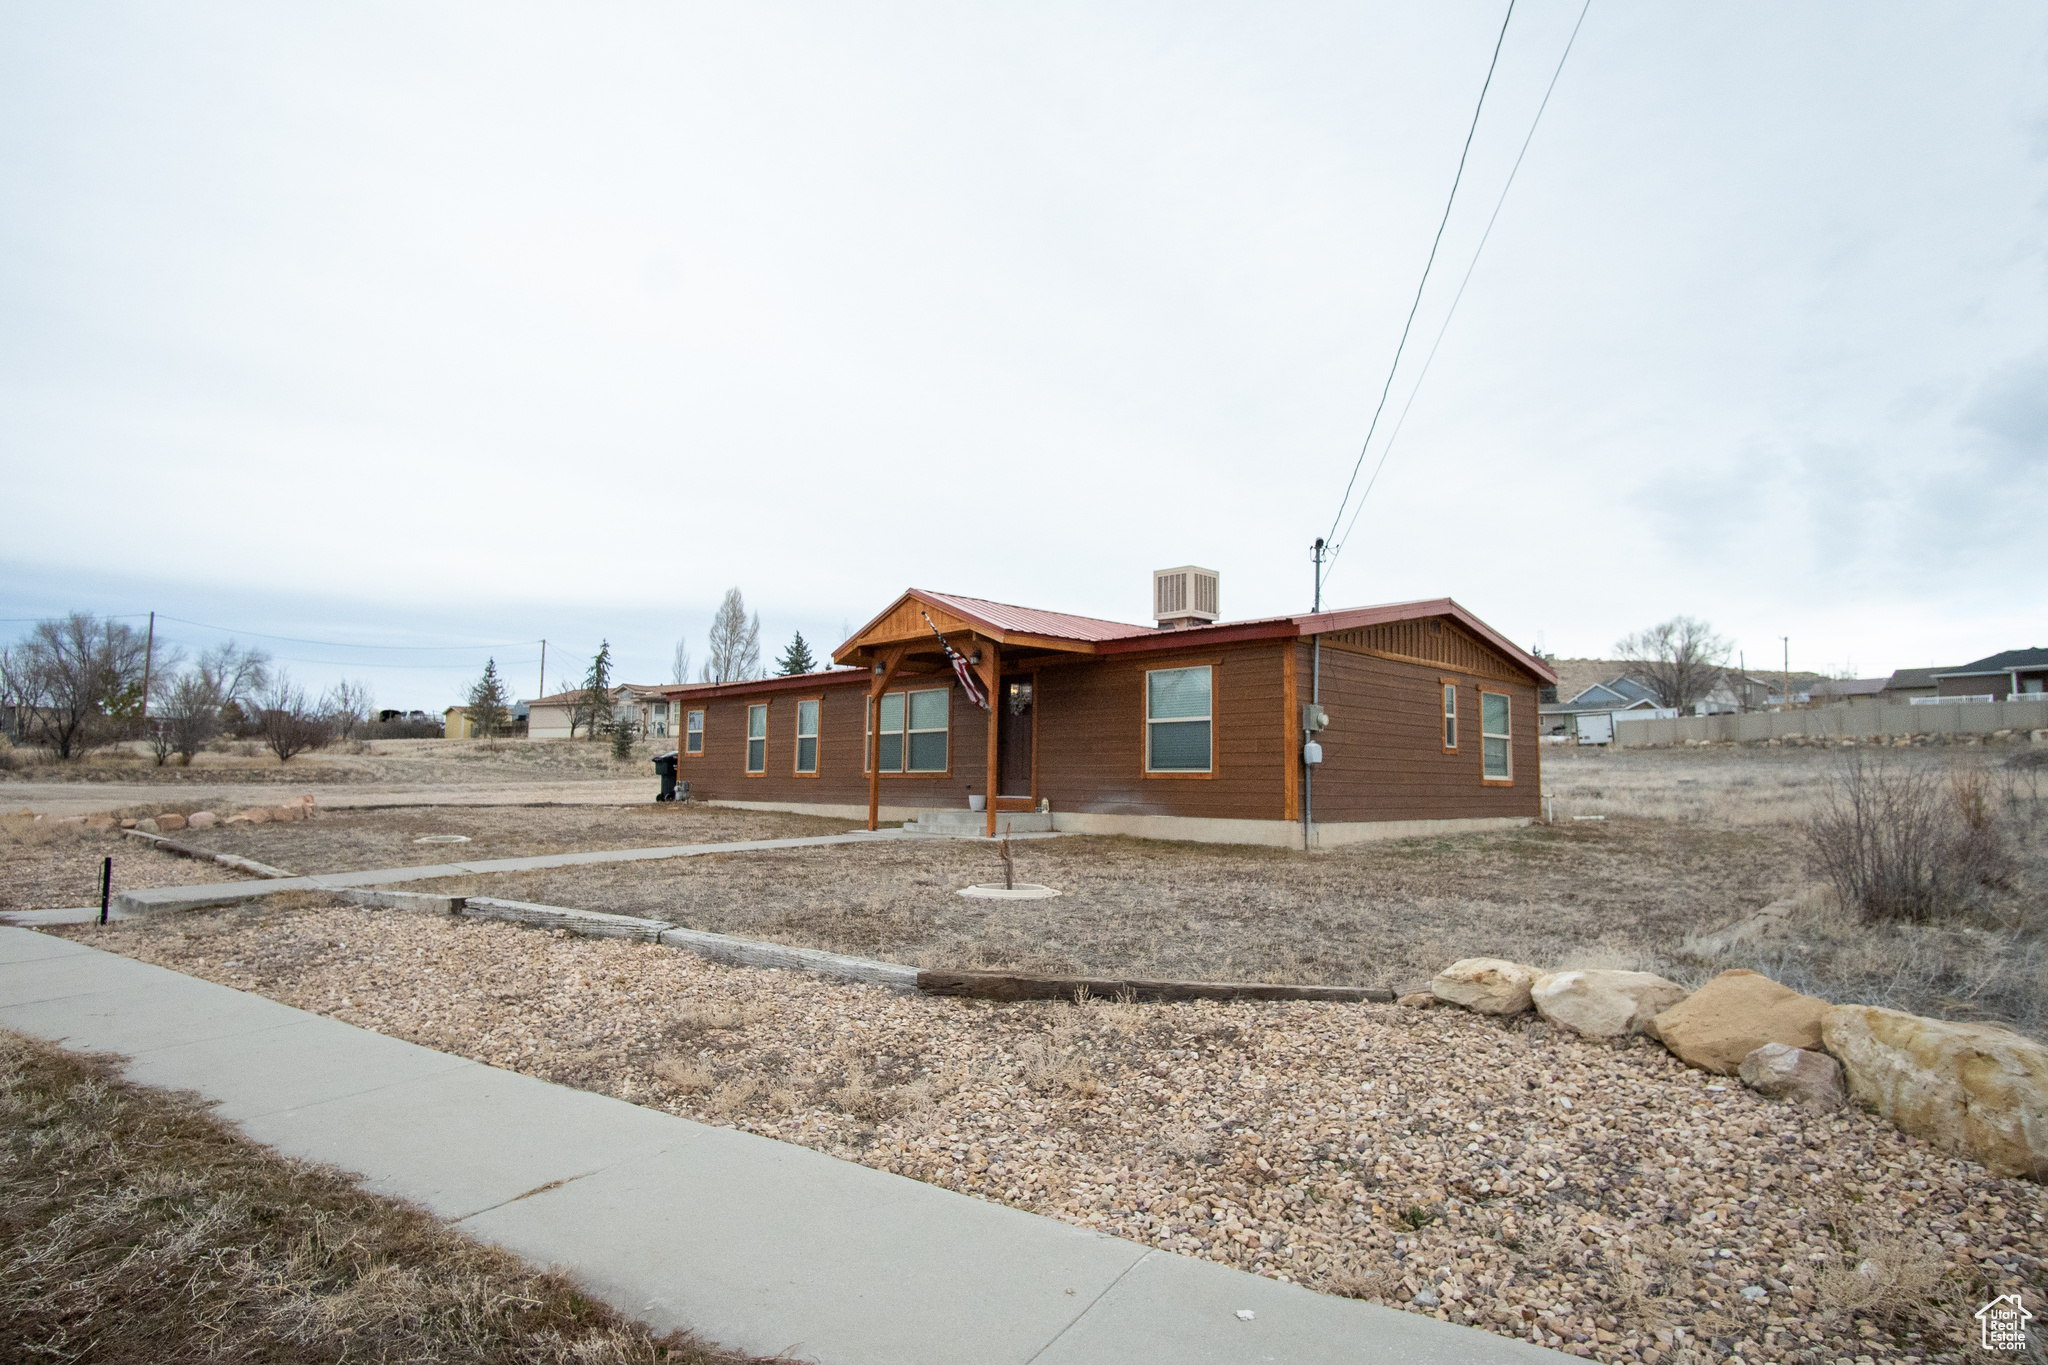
(383, 761)
(1600, 1198)
(355, 840)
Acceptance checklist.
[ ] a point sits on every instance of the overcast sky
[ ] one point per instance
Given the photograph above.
(432, 325)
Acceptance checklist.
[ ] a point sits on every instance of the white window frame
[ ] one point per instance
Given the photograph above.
(817, 707)
(1451, 718)
(760, 770)
(1506, 738)
(1206, 718)
(693, 734)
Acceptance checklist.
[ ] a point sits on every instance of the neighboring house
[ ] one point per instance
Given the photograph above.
(1907, 683)
(455, 723)
(1865, 691)
(1190, 729)
(1589, 716)
(2016, 672)
(645, 708)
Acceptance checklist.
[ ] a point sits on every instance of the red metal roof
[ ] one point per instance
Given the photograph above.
(1031, 621)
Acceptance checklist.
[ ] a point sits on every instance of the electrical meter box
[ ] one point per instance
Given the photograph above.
(1314, 717)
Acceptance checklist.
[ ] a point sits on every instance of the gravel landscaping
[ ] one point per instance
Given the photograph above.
(46, 864)
(1600, 1198)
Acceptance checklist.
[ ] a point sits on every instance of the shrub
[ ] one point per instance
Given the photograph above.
(1905, 844)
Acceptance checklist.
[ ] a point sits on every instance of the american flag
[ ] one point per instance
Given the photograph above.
(962, 670)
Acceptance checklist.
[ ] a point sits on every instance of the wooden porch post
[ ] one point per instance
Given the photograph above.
(891, 660)
(992, 675)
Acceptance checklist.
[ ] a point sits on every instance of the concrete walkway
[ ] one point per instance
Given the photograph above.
(227, 893)
(752, 1242)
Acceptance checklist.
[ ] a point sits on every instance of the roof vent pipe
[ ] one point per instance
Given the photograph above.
(1184, 597)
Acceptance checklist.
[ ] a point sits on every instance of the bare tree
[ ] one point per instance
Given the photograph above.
(80, 676)
(576, 702)
(236, 673)
(189, 713)
(347, 707)
(288, 723)
(1680, 660)
(735, 642)
(679, 672)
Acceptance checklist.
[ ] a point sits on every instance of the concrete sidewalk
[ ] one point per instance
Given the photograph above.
(755, 1243)
(227, 893)
(90, 798)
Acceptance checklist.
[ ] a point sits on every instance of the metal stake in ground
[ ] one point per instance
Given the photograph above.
(1009, 872)
(106, 886)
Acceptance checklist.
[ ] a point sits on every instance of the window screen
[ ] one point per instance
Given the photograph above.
(757, 739)
(1450, 715)
(807, 736)
(1493, 730)
(694, 741)
(1177, 720)
(927, 733)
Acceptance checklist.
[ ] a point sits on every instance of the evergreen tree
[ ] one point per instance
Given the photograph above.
(796, 659)
(488, 710)
(622, 738)
(597, 691)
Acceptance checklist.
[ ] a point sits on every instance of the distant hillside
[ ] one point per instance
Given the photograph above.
(1576, 675)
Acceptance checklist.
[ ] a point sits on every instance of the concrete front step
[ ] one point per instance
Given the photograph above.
(972, 823)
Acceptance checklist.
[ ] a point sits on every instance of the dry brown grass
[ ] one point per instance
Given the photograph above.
(350, 840)
(134, 1227)
(391, 761)
(47, 863)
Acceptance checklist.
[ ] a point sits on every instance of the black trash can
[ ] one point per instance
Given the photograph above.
(665, 764)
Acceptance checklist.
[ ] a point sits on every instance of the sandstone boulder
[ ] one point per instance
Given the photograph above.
(144, 826)
(169, 821)
(1489, 985)
(1604, 1004)
(256, 815)
(288, 813)
(204, 819)
(1417, 1000)
(99, 822)
(1778, 1072)
(1733, 1015)
(1975, 1089)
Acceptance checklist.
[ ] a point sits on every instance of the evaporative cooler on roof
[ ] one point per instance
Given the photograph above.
(1183, 597)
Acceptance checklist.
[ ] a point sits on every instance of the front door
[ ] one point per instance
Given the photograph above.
(1013, 741)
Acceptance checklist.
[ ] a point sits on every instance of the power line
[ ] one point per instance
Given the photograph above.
(1422, 284)
(345, 644)
(1430, 359)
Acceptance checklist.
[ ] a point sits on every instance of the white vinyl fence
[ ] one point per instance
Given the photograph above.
(1843, 720)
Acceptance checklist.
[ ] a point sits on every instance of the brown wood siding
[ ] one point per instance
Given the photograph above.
(1091, 720)
(719, 774)
(1383, 755)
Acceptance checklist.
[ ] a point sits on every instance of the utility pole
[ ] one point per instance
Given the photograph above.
(148, 657)
(543, 670)
(1315, 694)
(1785, 683)
(1316, 550)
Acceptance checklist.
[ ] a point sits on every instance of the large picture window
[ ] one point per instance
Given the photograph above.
(1498, 765)
(757, 738)
(807, 736)
(1177, 720)
(693, 732)
(913, 730)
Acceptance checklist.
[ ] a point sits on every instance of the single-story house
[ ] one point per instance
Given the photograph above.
(645, 708)
(1194, 728)
(2016, 672)
(1589, 715)
(1905, 684)
(1856, 691)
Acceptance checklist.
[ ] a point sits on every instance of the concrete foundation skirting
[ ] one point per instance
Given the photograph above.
(1271, 833)
(888, 815)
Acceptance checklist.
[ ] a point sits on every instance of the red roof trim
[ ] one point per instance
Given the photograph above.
(800, 682)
